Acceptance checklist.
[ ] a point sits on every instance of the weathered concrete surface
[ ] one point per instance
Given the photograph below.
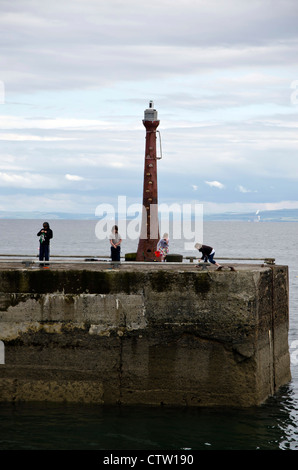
(152, 334)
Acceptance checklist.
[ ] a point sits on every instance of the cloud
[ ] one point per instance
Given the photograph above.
(242, 189)
(2, 92)
(78, 76)
(86, 45)
(25, 123)
(73, 177)
(27, 180)
(21, 137)
(215, 184)
(11, 163)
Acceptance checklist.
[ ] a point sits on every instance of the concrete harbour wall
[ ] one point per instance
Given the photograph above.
(144, 334)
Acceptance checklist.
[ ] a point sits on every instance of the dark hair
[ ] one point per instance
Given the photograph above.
(115, 228)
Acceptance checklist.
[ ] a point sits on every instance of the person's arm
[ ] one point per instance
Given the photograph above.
(111, 242)
(48, 234)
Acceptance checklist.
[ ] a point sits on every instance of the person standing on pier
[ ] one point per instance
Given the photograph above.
(115, 241)
(163, 246)
(45, 234)
(207, 253)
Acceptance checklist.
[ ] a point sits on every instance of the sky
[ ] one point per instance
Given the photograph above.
(76, 77)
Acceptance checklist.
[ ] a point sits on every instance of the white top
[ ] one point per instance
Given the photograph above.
(115, 238)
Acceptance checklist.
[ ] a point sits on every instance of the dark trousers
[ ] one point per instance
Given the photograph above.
(209, 258)
(115, 253)
(44, 252)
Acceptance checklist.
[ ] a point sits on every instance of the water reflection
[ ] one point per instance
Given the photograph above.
(36, 426)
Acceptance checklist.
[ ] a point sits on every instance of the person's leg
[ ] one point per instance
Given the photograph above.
(211, 260)
(47, 252)
(114, 254)
(41, 252)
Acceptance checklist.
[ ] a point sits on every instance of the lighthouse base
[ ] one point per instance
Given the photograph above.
(146, 250)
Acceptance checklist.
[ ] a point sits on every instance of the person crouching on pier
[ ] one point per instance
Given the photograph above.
(45, 234)
(207, 253)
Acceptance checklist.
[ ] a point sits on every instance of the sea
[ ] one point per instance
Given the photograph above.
(156, 430)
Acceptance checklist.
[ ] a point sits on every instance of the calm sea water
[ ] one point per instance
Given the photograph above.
(272, 426)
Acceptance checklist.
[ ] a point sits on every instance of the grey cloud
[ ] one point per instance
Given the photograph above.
(213, 63)
(39, 70)
(89, 44)
(163, 22)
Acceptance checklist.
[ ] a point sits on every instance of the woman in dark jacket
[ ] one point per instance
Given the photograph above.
(45, 234)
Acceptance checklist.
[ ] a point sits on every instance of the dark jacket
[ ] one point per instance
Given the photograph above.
(205, 250)
(45, 235)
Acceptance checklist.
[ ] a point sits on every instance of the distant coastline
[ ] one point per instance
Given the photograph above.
(282, 215)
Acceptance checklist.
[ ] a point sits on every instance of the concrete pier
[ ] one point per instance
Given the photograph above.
(161, 333)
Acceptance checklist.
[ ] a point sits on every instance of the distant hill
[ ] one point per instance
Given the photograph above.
(45, 215)
(283, 215)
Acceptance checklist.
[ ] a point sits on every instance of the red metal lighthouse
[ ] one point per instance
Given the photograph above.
(149, 236)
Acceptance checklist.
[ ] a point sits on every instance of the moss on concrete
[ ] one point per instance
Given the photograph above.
(144, 334)
(68, 281)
